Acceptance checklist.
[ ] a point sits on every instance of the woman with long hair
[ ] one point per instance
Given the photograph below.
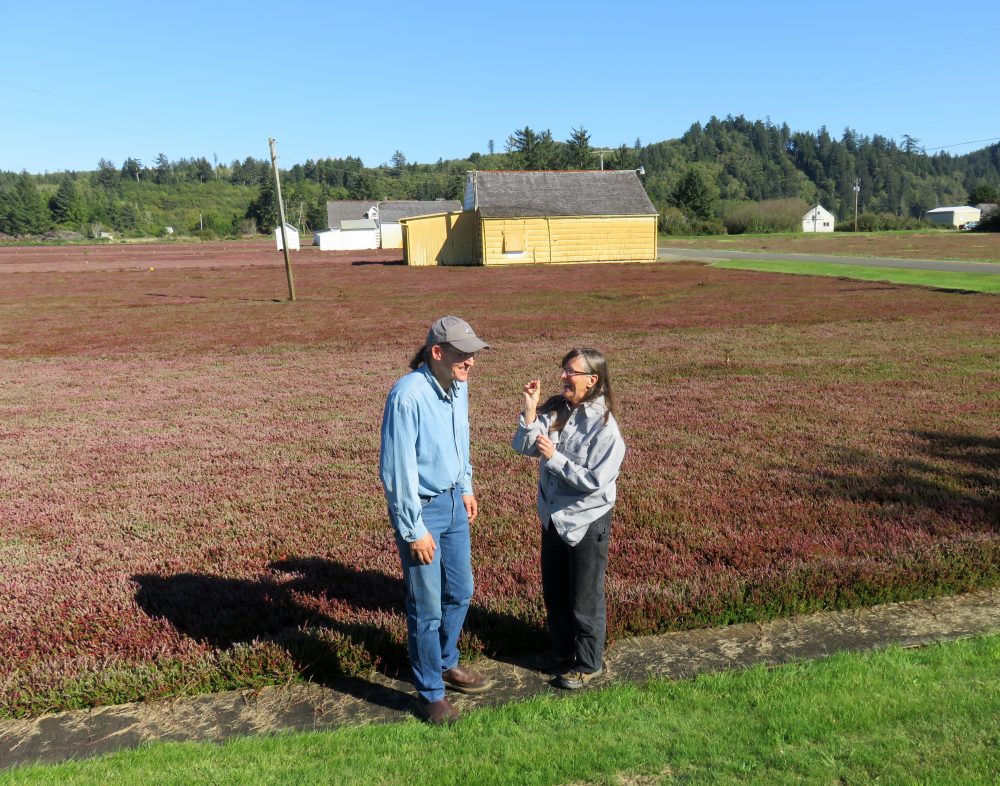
(576, 437)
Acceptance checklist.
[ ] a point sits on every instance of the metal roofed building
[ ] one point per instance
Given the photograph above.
(525, 217)
(957, 216)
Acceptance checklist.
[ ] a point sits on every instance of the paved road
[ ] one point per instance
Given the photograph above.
(665, 252)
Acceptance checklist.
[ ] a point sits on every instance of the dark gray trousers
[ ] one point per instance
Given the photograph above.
(573, 590)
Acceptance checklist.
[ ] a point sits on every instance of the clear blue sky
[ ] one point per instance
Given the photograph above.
(82, 81)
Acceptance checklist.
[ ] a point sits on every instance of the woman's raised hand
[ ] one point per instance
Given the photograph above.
(532, 392)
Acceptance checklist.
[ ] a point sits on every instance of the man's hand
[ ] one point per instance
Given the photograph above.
(545, 446)
(471, 506)
(422, 550)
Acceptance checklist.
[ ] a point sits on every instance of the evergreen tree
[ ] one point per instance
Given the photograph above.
(398, 161)
(161, 170)
(131, 169)
(22, 209)
(106, 177)
(264, 209)
(694, 194)
(361, 185)
(68, 205)
(578, 150)
(523, 143)
(622, 157)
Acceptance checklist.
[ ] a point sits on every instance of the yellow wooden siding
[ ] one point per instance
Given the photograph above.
(561, 240)
(440, 239)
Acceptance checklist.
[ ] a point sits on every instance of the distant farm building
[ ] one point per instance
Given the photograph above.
(291, 233)
(539, 217)
(818, 219)
(351, 226)
(953, 216)
(391, 212)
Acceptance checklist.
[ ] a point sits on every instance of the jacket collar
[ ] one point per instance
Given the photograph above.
(594, 407)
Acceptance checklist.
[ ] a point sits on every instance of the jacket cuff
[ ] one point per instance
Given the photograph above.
(556, 463)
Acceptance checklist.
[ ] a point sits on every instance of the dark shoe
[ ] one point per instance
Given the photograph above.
(552, 663)
(466, 680)
(439, 713)
(574, 680)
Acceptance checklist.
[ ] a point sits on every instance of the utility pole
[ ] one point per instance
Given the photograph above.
(281, 216)
(857, 190)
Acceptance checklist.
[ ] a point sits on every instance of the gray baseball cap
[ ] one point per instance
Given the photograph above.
(457, 332)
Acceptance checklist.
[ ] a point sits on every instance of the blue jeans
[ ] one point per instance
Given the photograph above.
(437, 595)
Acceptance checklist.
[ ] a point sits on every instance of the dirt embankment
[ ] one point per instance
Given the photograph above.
(138, 256)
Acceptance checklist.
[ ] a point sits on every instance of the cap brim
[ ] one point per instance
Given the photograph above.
(471, 344)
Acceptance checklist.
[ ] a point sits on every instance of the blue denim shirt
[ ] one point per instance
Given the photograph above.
(577, 485)
(425, 447)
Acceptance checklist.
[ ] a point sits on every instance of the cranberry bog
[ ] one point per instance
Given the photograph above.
(189, 489)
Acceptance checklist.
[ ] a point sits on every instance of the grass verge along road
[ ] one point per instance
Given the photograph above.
(939, 279)
(894, 716)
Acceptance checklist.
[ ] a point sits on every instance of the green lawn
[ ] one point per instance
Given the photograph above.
(939, 279)
(922, 716)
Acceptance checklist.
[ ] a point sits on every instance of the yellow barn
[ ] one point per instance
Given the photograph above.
(539, 218)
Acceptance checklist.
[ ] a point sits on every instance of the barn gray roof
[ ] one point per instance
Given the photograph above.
(337, 211)
(390, 212)
(568, 193)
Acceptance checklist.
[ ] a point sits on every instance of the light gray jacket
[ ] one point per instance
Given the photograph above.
(577, 485)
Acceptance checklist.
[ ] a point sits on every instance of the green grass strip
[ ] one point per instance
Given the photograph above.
(940, 279)
(922, 716)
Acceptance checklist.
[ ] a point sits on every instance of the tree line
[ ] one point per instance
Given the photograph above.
(729, 174)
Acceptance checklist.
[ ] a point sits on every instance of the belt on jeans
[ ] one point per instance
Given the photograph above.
(424, 499)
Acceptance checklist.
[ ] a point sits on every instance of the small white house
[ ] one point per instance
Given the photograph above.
(291, 233)
(818, 219)
(953, 216)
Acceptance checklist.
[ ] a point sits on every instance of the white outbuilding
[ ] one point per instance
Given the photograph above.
(353, 234)
(953, 216)
(818, 219)
(291, 233)
(352, 226)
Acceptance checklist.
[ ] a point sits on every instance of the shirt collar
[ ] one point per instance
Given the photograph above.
(453, 389)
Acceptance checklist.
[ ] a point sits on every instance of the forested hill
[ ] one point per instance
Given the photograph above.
(758, 160)
(703, 181)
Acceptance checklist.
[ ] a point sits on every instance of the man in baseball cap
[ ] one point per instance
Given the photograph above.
(458, 333)
(426, 472)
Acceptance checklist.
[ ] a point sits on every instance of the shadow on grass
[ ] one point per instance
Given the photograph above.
(956, 475)
(280, 608)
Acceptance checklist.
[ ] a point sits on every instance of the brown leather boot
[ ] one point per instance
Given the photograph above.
(466, 680)
(439, 713)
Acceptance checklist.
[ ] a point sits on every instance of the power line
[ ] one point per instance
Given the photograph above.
(77, 100)
(116, 130)
(959, 144)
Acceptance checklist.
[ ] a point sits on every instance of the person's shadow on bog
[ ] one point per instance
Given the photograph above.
(223, 612)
